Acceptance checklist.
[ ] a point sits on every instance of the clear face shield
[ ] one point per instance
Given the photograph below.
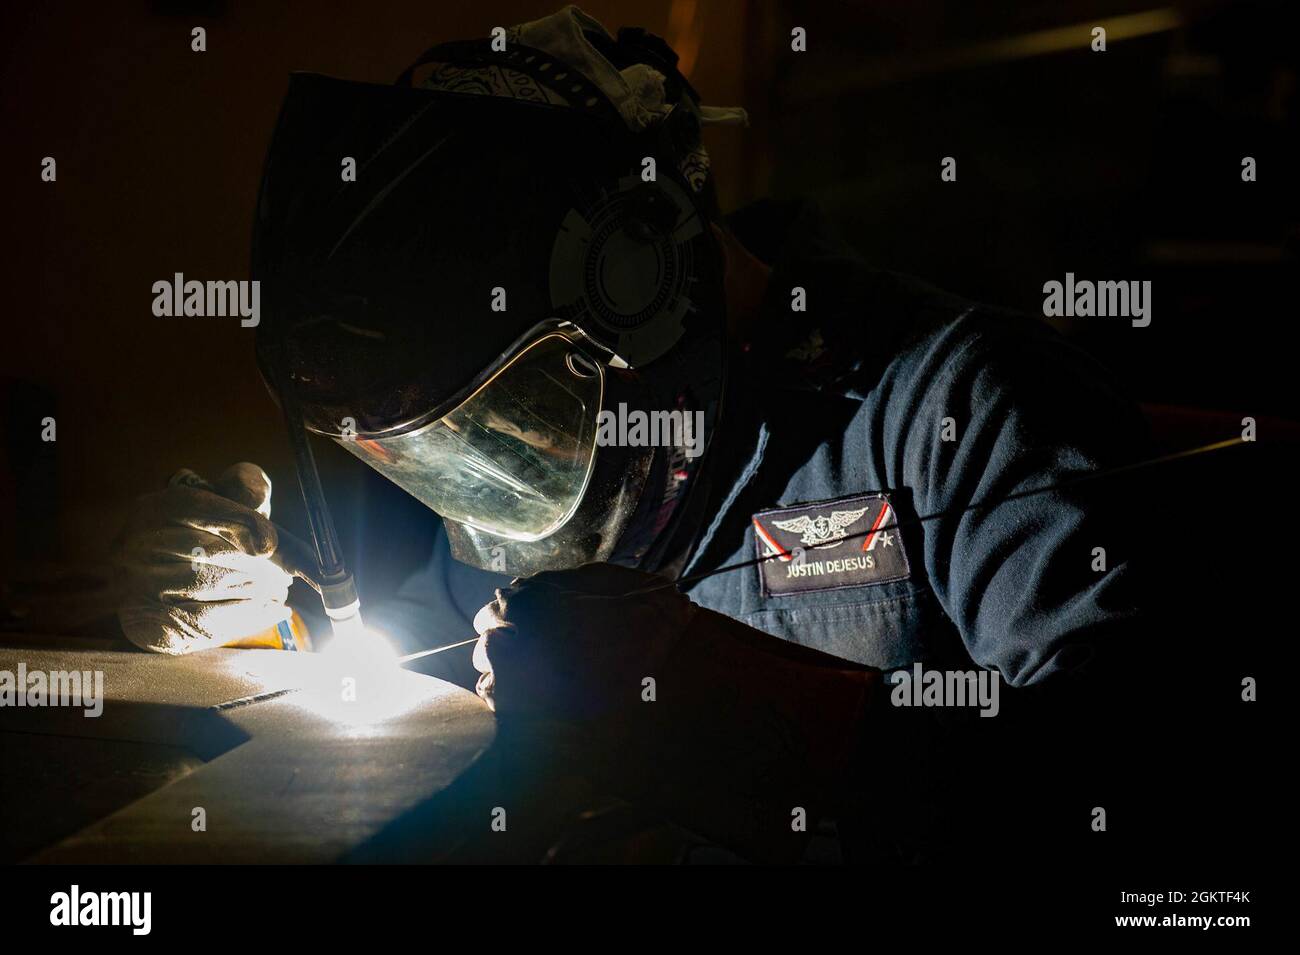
(514, 458)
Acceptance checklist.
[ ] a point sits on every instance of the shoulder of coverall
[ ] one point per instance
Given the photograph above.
(911, 353)
(854, 318)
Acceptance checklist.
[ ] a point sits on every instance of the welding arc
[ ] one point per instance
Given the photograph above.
(1015, 495)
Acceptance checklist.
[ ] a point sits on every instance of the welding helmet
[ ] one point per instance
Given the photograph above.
(457, 285)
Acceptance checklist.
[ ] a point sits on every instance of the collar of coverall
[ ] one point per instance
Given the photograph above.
(792, 237)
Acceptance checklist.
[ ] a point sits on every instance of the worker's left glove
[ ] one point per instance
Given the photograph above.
(577, 643)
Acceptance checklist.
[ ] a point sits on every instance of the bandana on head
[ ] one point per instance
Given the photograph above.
(637, 91)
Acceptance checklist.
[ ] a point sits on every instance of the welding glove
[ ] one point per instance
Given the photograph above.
(576, 643)
(720, 726)
(198, 566)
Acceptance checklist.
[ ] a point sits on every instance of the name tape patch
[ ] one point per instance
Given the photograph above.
(829, 545)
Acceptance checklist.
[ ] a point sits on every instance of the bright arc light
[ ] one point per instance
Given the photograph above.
(359, 683)
(355, 681)
(349, 627)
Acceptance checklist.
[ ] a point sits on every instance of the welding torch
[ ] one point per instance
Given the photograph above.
(338, 591)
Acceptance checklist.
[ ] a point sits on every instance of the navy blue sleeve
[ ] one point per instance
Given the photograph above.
(1026, 410)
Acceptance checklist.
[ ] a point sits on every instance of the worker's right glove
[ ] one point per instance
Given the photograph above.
(198, 565)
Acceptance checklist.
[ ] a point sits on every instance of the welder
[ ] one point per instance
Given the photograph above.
(533, 237)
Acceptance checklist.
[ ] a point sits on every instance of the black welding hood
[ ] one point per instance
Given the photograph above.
(456, 286)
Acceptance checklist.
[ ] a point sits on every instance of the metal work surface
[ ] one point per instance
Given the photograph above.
(285, 766)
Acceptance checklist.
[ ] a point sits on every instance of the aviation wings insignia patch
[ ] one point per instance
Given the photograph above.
(827, 545)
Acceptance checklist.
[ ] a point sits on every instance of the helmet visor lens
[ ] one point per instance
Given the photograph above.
(514, 458)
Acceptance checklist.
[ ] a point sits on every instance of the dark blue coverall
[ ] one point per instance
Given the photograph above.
(883, 402)
(889, 400)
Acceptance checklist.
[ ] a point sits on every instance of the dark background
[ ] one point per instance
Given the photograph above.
(1120, 165)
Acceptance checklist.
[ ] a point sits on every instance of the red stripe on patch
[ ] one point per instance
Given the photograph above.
(781, 553)
(875, 526)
